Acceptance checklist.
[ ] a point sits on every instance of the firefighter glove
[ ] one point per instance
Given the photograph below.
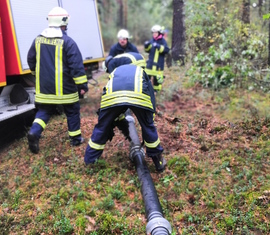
(146, 44)
(160, 79)
(83, 86)
(156, 45)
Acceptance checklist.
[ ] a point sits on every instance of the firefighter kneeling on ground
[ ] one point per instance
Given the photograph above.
(56, 61)
(128, 88)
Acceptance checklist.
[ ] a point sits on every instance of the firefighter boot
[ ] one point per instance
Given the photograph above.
(159, 162)
(77, 141)
(33, 142)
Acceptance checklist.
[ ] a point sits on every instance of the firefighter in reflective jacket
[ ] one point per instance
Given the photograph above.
(55, 60)
(128, 88)
(123, 45)
(126, 58)
(157, 49)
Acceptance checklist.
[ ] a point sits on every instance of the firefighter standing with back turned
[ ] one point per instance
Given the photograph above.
(56, 61)
(128, 88)
(157, 49)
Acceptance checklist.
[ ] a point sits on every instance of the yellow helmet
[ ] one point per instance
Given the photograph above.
(58, 17)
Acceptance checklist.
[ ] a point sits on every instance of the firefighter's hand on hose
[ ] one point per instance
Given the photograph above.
(160, 79)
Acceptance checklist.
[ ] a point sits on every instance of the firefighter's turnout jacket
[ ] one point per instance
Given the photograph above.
(59, 77)
(129, 87)
(56, 61)
(135, 59)
(134, 89)
(117, 49)
(126, 58)
(155, 62)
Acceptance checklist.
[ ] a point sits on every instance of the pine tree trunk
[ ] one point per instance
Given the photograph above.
(125, 13)
(260, 7)
(120, 14)
(178, 35)
(246, 12)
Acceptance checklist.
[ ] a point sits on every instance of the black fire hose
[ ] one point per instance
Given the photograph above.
(157, 224)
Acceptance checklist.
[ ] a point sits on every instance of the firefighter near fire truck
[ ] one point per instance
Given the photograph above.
(56, 62)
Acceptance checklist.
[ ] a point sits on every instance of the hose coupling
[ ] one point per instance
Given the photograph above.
(134, 150)
(157, 222)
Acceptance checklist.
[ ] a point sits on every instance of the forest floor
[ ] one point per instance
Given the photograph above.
(217, 180)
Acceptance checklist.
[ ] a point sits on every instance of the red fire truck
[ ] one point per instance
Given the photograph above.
(20, 22)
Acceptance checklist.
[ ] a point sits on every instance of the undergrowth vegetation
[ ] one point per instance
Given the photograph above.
(225, 51)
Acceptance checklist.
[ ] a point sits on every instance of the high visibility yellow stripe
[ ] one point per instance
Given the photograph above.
(58, 70)
(157, 87)
(125, 94)
(54, 99)
(154, 72)
(161, 49)
(138, 80)
(40, 122)
(61, 69)
(120, 117)
(80, 80)
(74, 133)
(148, 48)
(152, 145)
(140, 63)
(109, 85)
(37, 45)
(156, 57)
(96, 146)
(130, 100)
(131, 57)
(57, 91)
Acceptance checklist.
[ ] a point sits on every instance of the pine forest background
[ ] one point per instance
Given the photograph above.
(221, 42)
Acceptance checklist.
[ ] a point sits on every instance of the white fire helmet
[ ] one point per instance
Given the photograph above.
(58, 17)
(123, 34)
(156, 28)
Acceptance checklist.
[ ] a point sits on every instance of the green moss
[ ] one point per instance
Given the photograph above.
(64, 193)
(81, 222)
(179, 165)
(81, 206)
